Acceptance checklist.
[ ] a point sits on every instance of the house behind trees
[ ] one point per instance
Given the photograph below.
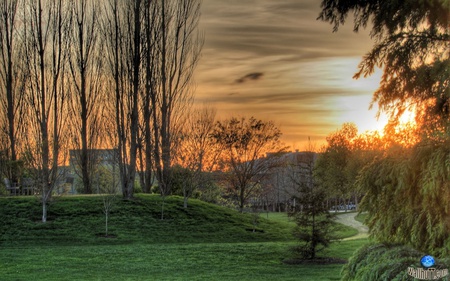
(104, 167)
(281, 184)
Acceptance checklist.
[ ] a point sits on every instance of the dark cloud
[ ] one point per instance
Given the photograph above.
(250, 76)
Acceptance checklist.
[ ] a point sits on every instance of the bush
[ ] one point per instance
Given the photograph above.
(384, 262)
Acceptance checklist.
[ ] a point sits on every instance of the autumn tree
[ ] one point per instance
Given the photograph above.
(245, 145)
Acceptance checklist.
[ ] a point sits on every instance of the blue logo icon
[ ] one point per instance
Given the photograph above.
(427, 261)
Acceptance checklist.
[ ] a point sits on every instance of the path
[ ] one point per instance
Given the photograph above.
(349, 219)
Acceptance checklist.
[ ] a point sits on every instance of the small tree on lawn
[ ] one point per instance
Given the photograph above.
(108, 187)
(314, 223)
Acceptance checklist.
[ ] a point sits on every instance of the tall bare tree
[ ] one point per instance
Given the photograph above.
(11, 79)
(178, 49)
(197, 153)
(85, 68)
(123, 24)
(45, 24)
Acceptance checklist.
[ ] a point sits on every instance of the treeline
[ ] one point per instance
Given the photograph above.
(87, 74)
(403, 183)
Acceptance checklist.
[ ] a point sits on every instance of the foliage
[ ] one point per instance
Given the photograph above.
(334, 160)
(244, 144)
(412, 46)
(338, 166)
(406, 196)
(374, 262)
(315, 228)
(183, 182)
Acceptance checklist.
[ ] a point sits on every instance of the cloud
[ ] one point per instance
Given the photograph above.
(250, 76)
(301, 66)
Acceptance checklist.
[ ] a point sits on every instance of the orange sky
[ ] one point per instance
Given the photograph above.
(275, 61)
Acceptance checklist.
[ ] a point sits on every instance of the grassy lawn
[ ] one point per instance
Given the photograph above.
(205, 242)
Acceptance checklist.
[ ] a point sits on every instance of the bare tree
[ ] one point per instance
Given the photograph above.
(85, 68)
(198, 153)
(178, 48)
(123, 33)
(45, 24)
(11, 80)
(244, 143)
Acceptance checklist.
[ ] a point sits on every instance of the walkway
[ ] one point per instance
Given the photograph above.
(349, 219)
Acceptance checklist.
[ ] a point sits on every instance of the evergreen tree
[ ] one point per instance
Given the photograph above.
(314, 222)
(412, 45)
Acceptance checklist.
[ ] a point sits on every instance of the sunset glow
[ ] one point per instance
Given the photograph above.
(276, 62)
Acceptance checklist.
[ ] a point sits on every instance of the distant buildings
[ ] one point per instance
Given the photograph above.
(282, 183)
(103, 165)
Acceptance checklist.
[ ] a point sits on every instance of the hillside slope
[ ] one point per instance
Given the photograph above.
(80, 220)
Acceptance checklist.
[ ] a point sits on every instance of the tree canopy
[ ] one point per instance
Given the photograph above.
(244, 144)
(406, 187)
(412, 45)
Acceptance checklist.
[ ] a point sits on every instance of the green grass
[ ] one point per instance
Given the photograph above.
(342, 231)
(361, 217)
(201, 261)
(204, 242)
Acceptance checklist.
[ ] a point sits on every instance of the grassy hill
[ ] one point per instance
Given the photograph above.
(80, 220)
(203, 242)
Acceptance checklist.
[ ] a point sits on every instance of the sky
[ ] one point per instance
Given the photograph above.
(273, 60)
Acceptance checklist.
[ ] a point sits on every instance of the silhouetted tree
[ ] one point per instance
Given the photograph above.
(86, 70)
(244, 144)
(178, 46)
(46, 44)
(11, 74)
(412, 46)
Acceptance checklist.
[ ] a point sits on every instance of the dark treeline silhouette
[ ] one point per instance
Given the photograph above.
(85, 75)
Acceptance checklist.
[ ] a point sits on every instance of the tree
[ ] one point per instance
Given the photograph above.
(108, 189)
(413, 47)
(333, 162)
(314, 221)
(405, 190)
(197, 151)
(46, 43)
(12, 80)
(183, 182)
(178, 46)
(123, 35)
(85, 68)
(244, 144)
(403, 183)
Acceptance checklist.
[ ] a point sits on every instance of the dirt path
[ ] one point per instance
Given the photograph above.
(349, 219)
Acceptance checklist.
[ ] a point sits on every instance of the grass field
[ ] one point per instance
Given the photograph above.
(205, 242)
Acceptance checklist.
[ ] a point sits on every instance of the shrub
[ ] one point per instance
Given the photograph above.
(384, 262)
